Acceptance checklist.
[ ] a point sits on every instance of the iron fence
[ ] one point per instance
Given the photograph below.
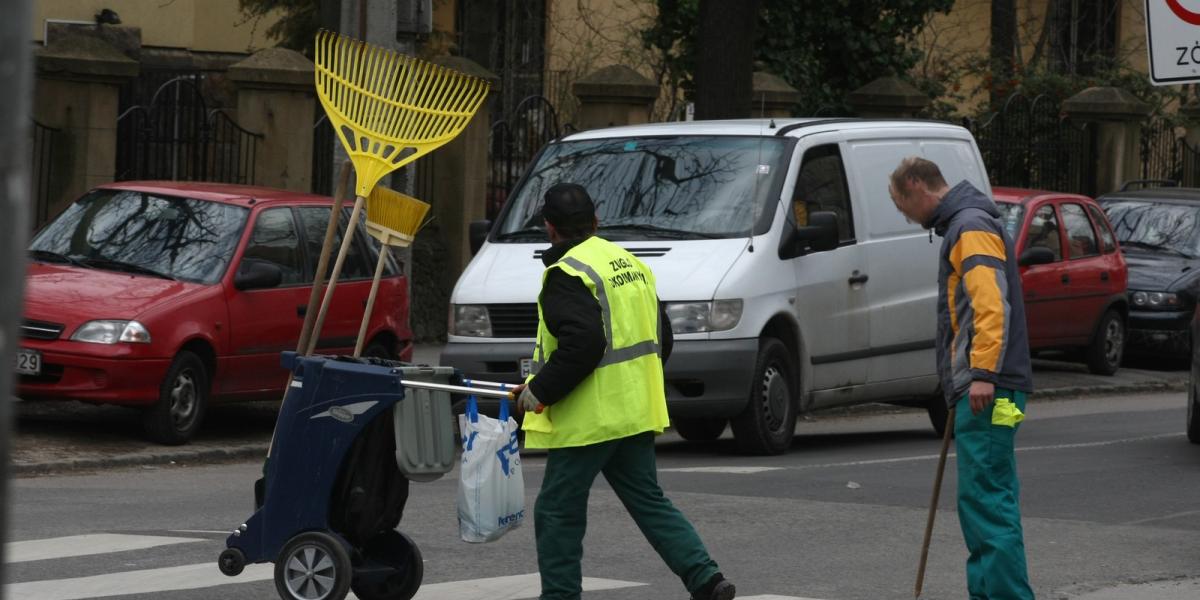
(1166, 155)
(515, 141)
(322, 156)
(45, 140)
(1029, 143)
(178, 137)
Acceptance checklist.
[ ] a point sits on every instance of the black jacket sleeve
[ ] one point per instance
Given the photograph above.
(572, 315)
(666, 339)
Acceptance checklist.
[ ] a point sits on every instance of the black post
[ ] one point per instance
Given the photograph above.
(15, 75)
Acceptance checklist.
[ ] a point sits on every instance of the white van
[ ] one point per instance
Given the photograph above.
(792, 282)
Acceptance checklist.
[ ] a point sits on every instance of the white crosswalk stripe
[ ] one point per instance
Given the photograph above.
(146, 581)
(156, 581)
(85, 545)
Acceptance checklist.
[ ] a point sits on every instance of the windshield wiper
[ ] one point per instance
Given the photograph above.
(55, 257)
(526, 232)
(1156, 248)
(118, 265)
(664, 231)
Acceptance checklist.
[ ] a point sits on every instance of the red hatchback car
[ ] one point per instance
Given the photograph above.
(167, 295)
(1072, 273)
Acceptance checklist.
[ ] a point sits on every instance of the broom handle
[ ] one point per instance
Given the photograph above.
(337, 271)
(366, 320)
(310, 314)
(937, 489)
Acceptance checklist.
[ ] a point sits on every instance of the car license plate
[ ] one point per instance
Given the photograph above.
(29, 362)
(526, 367)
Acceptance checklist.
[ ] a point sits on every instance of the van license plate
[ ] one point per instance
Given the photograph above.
(29, 362)
(526, 367)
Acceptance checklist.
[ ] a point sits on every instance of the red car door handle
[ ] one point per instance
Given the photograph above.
(1104, 276)
(301, 310)
(1066, 279)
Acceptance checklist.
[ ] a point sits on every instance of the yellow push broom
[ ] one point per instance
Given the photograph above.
(394, 219)
(388, 109)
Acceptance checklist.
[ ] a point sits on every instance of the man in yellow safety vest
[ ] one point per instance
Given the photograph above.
(597, 399)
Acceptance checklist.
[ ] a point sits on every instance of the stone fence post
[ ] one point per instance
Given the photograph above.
(888, 98)
(276, 98)
(1117, 117)
(614, 95)
(772, 97)
(78, 83)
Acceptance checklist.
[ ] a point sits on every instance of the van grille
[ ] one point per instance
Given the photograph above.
(40, 330)
(513, 320)
(638, 252)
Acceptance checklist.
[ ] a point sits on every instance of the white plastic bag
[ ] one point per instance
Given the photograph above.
(491, 489)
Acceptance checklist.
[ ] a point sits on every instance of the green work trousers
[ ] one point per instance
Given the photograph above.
(560, 515)
(989, 496)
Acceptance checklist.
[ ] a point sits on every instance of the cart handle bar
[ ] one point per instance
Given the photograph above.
(456, 389)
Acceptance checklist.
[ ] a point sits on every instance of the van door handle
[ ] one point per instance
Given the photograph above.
(858, 278)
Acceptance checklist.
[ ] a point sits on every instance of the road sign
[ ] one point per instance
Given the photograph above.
(1173, 39)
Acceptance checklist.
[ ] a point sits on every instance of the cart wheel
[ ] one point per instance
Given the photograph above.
(404, 582)
(231, 562)
(313, 566)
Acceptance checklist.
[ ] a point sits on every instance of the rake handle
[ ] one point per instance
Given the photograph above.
(937, 490)
(310, 315)
(337, 271)
(366, 320)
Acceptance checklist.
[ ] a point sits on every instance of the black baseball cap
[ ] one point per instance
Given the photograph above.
(567, 204)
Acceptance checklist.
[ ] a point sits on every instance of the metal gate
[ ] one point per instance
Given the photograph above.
(515, 141)
(1166, 155)
(176, 136)
(1031, 144)
(45, 140)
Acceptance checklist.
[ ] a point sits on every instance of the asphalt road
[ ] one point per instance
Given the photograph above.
(1110, 497)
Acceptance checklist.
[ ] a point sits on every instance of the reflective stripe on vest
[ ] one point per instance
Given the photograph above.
(612, 355)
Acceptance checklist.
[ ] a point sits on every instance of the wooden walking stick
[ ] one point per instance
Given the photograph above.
(937, 490)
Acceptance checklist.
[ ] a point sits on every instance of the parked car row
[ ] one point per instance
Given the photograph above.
(791, 281)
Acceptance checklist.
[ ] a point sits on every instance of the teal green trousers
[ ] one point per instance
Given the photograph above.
(560, 514)
(989, 496)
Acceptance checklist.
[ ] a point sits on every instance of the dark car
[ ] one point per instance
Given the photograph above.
(1159, 232)
(1072, 274)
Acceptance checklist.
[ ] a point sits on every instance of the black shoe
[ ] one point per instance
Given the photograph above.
(717, 588)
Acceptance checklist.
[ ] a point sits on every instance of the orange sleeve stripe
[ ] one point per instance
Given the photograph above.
(976, 243)
(988, 307)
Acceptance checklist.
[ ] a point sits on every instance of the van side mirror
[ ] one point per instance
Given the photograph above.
(1037, 255)
(255, 274)
(820, 235)
(478, 233)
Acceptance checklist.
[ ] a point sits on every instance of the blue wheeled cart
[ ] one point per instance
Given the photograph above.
(351, 434)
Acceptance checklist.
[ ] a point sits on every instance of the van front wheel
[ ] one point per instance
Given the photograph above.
(767, 424)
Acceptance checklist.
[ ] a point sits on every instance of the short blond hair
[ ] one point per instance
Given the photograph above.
(923, 170)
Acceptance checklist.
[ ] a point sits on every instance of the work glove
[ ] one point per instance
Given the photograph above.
(525, 400)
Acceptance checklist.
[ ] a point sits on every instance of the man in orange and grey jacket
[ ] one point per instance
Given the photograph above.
(983, 362)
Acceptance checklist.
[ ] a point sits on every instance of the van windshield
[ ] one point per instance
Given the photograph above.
(691, 187)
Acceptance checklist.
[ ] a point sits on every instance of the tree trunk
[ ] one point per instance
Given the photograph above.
(725, 58)
(1004, 48)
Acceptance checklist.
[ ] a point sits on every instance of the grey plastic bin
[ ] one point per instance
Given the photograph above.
(425, 439)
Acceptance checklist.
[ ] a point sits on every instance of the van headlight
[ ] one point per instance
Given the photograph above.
(470, 320)
(111, 332)
(701, 317)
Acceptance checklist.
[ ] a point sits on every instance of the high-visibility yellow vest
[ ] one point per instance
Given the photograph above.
(624, 396)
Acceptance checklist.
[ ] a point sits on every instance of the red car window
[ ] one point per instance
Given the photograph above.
(1044, 232)
(1106, 235)
(1081, 238)
(274, 240)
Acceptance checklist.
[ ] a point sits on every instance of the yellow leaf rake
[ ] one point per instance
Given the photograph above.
(388, 109)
